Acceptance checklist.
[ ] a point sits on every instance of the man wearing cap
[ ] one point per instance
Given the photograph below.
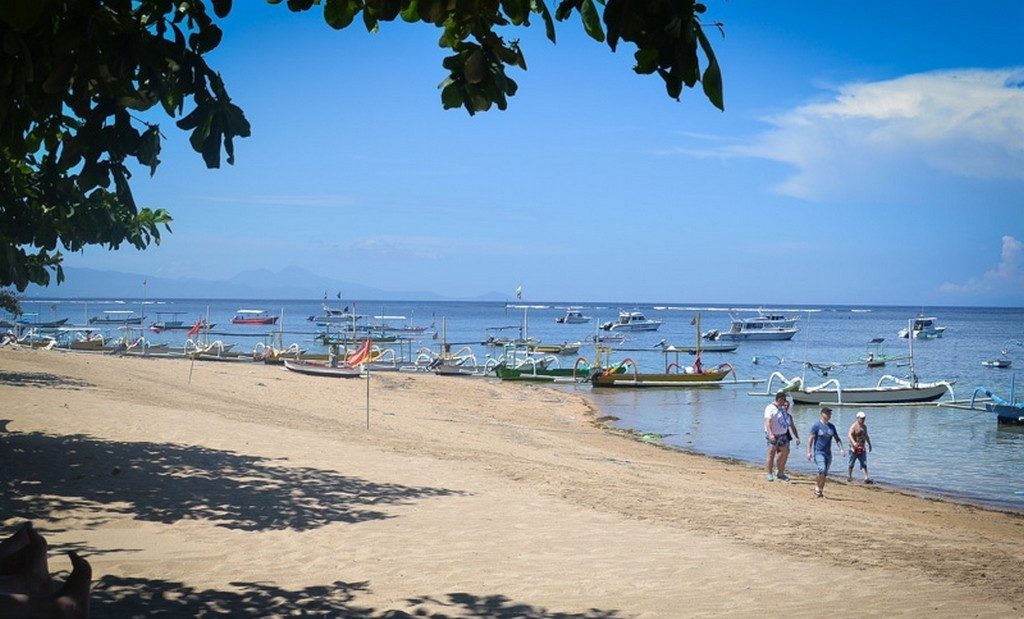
(778, 431)
(860, 445)
(820, 442)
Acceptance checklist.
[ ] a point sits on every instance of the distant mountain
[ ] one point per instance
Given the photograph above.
(290, 283)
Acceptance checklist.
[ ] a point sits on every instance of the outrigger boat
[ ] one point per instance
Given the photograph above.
(313, 368)
(29, 320)
(674, 375)
(888, 390)
(117, 317)
(1008, 412)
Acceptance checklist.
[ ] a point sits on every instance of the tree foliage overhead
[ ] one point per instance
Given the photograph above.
(82, 80)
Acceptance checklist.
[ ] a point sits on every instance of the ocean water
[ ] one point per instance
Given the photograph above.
(923, 448)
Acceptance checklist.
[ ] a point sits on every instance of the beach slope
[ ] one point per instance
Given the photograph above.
(255, 491)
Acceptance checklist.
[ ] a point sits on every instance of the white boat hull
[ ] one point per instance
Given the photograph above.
(650, 326)
(763, 335)
(872, 395)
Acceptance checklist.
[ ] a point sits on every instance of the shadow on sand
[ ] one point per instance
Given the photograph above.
(43, 475)
(140, 597)
(40, 379)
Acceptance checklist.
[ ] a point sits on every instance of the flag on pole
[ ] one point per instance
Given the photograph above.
(519, 292)
(195, 328)
(362, 355)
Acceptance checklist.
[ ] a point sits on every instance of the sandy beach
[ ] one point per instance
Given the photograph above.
(255, 491)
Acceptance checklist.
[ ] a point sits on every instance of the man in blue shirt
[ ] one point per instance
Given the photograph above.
(821, 436)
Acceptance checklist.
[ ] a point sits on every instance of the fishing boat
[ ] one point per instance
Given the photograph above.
(674, 375)
(923, 328)
(888, 390)
(30, 320)
(253, 317)
(1001, 362)
(117, 317)
(692, 350)
(335, 316)
(1008, 412)
(565, 348)
(313, 368)
(573, 316)
(632, 321)
(764, 326)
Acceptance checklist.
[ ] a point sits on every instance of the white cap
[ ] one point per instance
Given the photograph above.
(861, 415)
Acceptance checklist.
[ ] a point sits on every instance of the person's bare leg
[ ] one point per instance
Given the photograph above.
(73, 597)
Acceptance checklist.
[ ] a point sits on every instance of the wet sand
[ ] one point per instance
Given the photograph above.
(256, 491)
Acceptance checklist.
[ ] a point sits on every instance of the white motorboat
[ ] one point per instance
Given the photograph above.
(764, 326)
(573, 316)
(923, 328)
(632, 321)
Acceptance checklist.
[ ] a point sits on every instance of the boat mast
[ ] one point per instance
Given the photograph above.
(910, 341)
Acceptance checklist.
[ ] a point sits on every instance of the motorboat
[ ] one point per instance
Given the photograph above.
(1001, 362)
(923, 328)
(573, 316)
(764, 326)
(335, 316)
(253, 317)
(632, 321)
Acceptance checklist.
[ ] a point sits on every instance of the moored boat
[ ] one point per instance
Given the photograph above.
(632, 321)
(573, 316)
(117, 317)
(764, 326)
(322, 369)
(923, 328)
(253, 317)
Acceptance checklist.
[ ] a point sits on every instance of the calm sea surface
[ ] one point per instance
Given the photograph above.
(928, 449)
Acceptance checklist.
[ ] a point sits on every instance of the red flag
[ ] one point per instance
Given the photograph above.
(362, 355)
(195, 328)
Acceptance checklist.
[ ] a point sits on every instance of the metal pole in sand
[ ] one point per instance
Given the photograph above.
(367, 398)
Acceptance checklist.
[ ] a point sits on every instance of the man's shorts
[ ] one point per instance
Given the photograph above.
(862, 456)
(780, 441)
(824, 460)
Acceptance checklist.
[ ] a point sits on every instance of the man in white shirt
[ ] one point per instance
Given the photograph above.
(779, 429)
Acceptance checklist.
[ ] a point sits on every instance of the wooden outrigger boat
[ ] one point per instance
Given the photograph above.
(313, 368)
(674, 375)
(1008, 412)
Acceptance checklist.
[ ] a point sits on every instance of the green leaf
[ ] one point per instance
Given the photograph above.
(592, 21)
(221, 8)
(549, 23)
(340, 13)
(712, 80)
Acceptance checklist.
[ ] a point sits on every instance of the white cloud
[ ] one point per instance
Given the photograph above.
(1008, 275)
(880, 140)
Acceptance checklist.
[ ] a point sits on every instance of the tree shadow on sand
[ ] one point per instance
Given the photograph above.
(139, 597)
(40, 379)
(44, 475)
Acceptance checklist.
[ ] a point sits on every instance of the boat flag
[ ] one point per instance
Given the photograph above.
(519, 292)
(362, 355)
(195, 328)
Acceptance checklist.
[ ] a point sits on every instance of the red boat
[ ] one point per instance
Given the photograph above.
(253, 317)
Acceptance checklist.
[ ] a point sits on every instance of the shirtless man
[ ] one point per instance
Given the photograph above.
(860, 445)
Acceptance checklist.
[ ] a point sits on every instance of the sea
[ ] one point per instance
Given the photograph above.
(922, 449)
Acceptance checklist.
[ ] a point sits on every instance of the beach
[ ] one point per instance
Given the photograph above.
(254, 491)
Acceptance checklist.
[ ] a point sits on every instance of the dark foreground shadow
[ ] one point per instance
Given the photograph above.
(40, 379)
(44, 475)
(139, 597)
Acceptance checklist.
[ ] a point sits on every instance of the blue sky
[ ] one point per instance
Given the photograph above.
(870, 152)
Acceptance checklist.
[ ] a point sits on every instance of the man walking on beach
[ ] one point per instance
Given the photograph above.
(860, 445)
(778, 424)
(820, 441)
